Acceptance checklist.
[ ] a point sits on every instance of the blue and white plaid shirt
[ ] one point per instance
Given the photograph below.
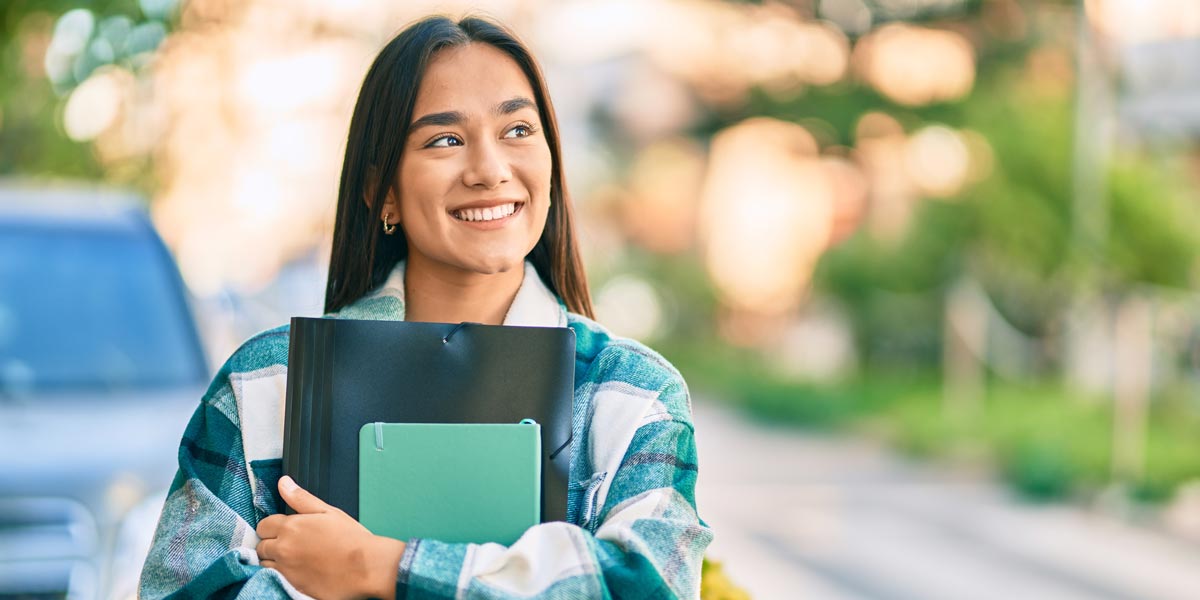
(632, 530)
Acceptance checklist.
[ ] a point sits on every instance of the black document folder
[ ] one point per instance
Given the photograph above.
(343, 374)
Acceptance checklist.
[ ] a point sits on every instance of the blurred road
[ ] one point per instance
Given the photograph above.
(805, 516)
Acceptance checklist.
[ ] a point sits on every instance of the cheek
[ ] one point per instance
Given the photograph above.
(422, 188)
(538, 171)
(536, 168)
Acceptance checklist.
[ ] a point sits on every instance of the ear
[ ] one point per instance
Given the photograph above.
(391, 202)
(391, 206)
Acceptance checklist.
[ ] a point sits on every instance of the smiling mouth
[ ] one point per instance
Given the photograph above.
(483, 215)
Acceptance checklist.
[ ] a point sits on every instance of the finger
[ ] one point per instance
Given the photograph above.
(269, 527)
(266, 550)
(299, 498)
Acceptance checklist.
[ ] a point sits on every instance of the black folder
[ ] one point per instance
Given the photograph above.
(345, 373)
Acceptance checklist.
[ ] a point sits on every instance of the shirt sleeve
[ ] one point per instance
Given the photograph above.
(205, 542)
(647, 542)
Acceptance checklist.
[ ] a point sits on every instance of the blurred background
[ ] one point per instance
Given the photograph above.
(930, 267)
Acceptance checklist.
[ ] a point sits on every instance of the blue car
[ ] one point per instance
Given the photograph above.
(101, 365)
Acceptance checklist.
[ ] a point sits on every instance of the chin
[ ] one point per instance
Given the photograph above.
(493, 266)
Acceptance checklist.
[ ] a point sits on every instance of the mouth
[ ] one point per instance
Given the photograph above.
(499, 212)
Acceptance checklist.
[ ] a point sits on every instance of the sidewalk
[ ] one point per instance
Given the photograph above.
(799, 515)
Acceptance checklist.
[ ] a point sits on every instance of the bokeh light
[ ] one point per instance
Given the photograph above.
(94, 106)
(767, 213)
(659, 213)
(937, 160)
(916, 65)
(631, 307)
(1139, 21)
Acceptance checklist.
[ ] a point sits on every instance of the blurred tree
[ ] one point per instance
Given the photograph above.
(1013, 230)
(47, 48)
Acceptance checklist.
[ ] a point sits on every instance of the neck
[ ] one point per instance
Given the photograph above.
(435, 293)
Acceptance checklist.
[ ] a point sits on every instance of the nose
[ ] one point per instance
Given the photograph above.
(487, 166)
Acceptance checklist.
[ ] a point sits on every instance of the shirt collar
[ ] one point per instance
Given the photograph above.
(533, 306)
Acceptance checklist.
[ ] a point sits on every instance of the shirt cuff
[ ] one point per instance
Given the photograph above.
(429, 569)
(403, 571)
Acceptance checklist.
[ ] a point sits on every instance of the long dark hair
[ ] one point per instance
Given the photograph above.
(362, 258)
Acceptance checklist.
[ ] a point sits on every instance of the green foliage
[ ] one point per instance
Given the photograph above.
(32, 140)
(687, 295)
(1153, 237)
(1023, 211)
(893, 292)
(1040, 470)
(1015, 232)
(1011, 231)
(1047, 441)
(1172, 451)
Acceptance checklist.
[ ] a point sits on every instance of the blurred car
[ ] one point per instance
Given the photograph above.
(101, 365)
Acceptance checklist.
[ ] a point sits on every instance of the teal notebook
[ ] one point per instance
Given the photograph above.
(450, 482)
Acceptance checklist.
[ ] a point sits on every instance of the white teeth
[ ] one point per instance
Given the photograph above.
(486, 214)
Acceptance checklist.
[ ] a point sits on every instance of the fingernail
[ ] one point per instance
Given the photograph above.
(286, 484)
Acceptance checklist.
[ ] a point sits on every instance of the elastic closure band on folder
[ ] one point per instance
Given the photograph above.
(564, 445)
(446, 340)
(378, 435)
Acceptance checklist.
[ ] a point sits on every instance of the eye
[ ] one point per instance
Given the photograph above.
(520, 130)
(444, 141)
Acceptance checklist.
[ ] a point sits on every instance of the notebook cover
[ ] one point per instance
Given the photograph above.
(449, 482)
(343, 374)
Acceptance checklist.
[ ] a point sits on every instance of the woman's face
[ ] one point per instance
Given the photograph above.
(474, 180)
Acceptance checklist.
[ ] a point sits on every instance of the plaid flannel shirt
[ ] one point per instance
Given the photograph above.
(632, 530)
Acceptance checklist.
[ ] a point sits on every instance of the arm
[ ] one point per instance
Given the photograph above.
(649, 541)
(204, 543)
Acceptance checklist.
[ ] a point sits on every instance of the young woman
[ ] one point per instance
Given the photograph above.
(452, 207)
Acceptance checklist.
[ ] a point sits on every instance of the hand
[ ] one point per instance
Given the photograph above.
(324, 552)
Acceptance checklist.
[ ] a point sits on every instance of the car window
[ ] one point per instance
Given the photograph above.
(85, 308)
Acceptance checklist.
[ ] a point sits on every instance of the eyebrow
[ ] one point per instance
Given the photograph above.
(454, 117)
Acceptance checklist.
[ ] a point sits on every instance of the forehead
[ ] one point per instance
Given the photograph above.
(471, 78)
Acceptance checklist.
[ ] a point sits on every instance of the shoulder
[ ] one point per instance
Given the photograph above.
(250, 391)
(607, 359)
(263, 352)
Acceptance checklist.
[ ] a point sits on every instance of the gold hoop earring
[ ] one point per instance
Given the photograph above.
(388, 229)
